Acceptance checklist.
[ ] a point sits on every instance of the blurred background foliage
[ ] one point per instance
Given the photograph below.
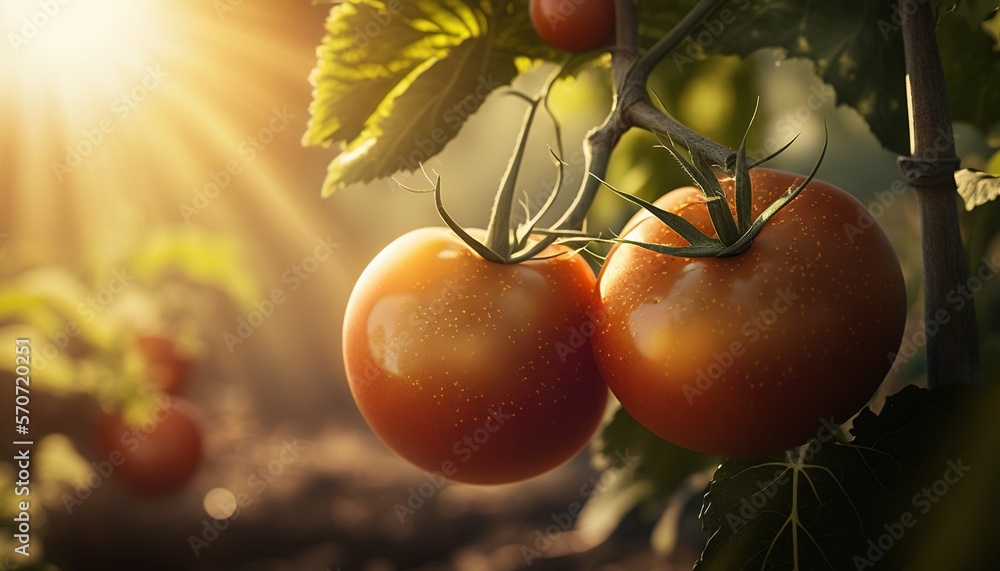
(225, 70)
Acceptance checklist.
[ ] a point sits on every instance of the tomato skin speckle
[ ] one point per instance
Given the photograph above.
(493, 340)
(823, 324)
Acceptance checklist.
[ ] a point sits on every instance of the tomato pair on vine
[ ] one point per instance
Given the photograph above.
(735, 319)
(734, 356)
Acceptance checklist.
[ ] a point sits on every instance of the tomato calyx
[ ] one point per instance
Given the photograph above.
(735, 233)
(506, 242)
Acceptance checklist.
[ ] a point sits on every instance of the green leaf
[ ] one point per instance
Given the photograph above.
(55, 371)
(396, 80)
(975, 12)
(977, 187)
(640, 468)
(49, 299)
(857, 47)
(972, 72)
(201, 257)
(854, 45)
(826, 504)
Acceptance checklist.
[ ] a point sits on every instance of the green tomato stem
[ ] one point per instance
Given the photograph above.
(498, 238)
(632, 106)
(667, 43)
(602, 140)
(597, 154)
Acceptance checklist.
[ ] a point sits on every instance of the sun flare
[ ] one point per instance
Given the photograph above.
(79, 49)
(112, 110)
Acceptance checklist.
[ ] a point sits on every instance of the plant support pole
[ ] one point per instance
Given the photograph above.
(952, 341)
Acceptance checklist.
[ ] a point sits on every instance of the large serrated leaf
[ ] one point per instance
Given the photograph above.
(424, 118)
(836, 505)
(356, 69)
(396, 80)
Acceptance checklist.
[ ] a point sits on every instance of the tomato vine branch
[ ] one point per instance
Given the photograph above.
(644, 114)
(498, 237)
(602, 140)
(632, 106)
(952, 350)
(667, 43)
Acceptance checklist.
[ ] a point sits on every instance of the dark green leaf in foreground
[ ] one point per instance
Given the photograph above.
(842, 506)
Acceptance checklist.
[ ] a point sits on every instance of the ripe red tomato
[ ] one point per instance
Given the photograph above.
(474, 370)
(156, 456)
(574, 26)
(751, 354)
(168, 369)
